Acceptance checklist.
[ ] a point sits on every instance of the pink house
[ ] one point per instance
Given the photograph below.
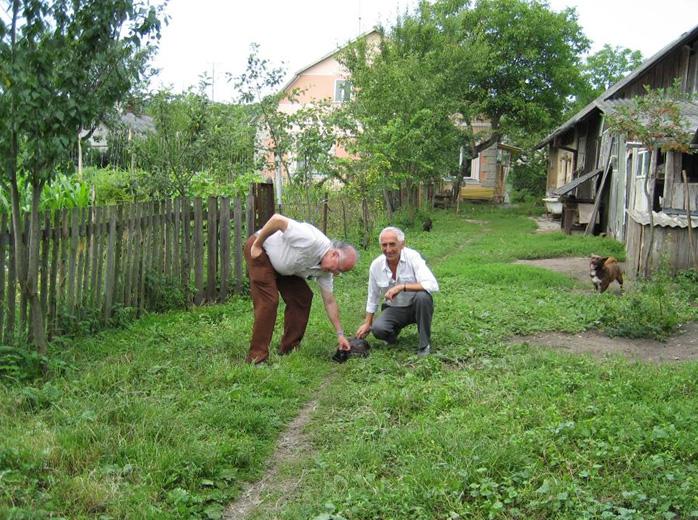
(324, 79)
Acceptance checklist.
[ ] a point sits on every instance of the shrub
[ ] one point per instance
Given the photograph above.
(651, 310)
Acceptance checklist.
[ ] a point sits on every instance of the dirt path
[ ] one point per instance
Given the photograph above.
(293, 445)
(681, 347)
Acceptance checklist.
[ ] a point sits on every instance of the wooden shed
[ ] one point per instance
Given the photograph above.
(590, 166)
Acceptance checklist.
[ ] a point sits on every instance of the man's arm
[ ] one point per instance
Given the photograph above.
(275, 223)
(333, 314)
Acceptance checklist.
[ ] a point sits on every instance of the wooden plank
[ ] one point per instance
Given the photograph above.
(84, 270)
(129, 247)
(72, 262)
(99, 252)
(224, 247)
(111, 262)
(52, 318)
(250, 212)
(198, 251)
(142, 259)
(176, 242)
(78, 265)
(94, 253)
(212, 249)
(154, 237)
(599, 193)
(237, 212)
(119, 254)
(186, 253)
(169, 241)
(4, 239)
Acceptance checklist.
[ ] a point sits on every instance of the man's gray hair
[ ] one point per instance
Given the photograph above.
(392, 229)
(345, 249)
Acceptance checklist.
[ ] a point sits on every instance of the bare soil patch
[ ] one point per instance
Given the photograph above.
(681, 347)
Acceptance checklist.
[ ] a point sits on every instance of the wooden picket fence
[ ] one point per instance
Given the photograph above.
(96, 260)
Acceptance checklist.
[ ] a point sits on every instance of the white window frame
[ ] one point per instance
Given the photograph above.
(341, 95)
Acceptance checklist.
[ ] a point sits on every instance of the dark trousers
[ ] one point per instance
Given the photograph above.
(265, 286)
(393, 319)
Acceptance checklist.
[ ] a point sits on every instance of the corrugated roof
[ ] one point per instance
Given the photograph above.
(598, 102)
(662, 219)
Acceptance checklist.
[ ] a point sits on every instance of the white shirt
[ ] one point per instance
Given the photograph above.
(411, 268)
(298, 252)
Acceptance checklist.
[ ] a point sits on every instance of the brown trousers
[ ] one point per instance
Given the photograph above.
(265, 286)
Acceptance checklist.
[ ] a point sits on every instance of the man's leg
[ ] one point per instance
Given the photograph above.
(423, 306)
(390, 322)
(265, 299)
(299, 298)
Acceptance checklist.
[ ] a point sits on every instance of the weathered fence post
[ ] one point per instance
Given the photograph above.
(212, 256)
(238, 245)
(225, 247)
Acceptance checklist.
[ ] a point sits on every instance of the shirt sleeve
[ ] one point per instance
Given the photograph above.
(326, 282)
(423, 274)
(374, 292)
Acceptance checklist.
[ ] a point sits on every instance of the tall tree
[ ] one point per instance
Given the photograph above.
(513, 63)
(602, 70)
(63, 65)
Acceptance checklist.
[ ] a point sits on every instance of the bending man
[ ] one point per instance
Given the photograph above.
(280, 258)
(400, 276)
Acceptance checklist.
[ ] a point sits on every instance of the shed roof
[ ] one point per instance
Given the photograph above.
(598, 103)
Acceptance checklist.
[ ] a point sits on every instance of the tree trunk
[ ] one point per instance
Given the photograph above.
(31, 289)
(367, 227)
(388, 204)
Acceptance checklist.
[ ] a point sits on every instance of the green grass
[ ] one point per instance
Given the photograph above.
(163, 420)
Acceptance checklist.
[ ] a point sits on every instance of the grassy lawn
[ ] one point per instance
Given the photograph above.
(163, 420)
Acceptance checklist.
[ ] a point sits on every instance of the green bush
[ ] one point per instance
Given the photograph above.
(19, 363)
(651, 310)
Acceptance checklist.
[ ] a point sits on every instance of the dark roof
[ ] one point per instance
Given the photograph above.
(598, 103)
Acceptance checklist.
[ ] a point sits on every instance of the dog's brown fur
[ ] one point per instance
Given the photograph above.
(604, 270)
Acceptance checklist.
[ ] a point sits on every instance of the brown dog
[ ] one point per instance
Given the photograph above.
(603, 270)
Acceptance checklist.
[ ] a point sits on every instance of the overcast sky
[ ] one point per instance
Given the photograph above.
(214, 36)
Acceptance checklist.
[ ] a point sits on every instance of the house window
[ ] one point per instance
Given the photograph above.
(642, 167)
(342, 90)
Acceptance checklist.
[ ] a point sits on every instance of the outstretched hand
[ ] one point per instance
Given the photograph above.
(343, 343)
(363, 330)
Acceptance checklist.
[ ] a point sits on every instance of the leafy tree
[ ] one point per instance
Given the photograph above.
(259, 87)
(511, 62)
(402, 119)
(602, 70)
(63, 65)
(175, 152)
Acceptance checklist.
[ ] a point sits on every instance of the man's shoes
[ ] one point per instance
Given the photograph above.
(424, 351)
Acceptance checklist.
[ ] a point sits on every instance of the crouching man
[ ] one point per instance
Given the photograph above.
(401, 277)
(280, 258)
